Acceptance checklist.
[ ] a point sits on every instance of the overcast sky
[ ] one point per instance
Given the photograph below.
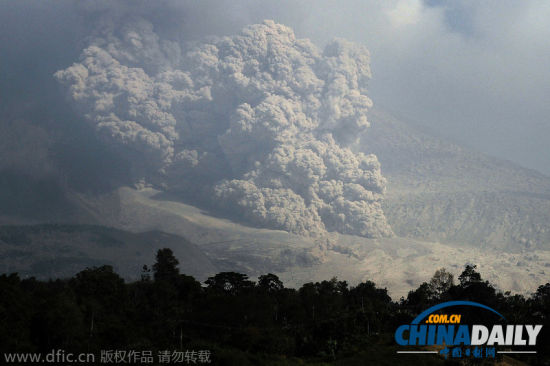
(476, 72)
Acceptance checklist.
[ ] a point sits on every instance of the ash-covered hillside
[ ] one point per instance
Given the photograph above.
(440, 191)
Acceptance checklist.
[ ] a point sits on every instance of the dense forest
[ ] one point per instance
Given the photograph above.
(168, 317)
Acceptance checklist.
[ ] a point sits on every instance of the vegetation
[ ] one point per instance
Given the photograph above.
(239, 321)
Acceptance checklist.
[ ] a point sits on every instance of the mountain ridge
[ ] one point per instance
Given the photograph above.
(439, 191)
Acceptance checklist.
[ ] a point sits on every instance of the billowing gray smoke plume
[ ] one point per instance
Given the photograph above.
(262, 121)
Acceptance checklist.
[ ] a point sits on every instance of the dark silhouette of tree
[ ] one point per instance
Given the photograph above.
(101, 294)
(231, 283)
(441, 282)
(166, 266)
(324, 322)
(58, 322)
(145, 273)
(373, 305)
(469, 276)
(540, 308)
(16, 309)
(542, 296)
(472, 287)
(420, 298)
(270, 283)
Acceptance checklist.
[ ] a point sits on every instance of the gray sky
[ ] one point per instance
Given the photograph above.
(476, 72)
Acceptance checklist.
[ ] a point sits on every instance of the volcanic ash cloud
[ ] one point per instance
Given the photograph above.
(261, 121)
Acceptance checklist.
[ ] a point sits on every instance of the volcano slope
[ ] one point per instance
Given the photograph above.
(440, 191)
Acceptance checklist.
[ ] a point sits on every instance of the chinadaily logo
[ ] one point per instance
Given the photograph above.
(452, 335)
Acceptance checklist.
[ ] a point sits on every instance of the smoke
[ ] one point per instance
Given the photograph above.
(262, 122)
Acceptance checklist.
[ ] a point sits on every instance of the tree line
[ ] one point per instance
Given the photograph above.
(239, 320)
